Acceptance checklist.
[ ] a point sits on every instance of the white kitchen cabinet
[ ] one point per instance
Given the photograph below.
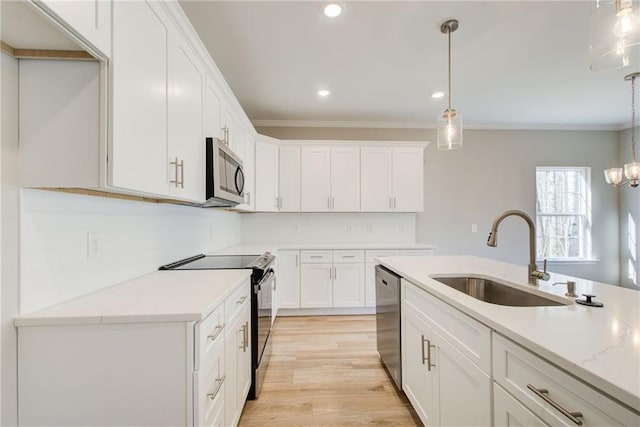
(143, 373)
(249, 163)
(316, 285)
(186, 148)
(508, 412)
(90, 20)
(138, 160)
(289, 178)
(266, 174)
(213, 110)
(238, 368)
(330, 179)
(521, 373)
(228, 128)
(315, 179)
(450, 374)
(332, 279)
(288, 288)
(392, 179)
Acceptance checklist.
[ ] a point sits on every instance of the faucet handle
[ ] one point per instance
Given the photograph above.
(541, 275)
(571, 288)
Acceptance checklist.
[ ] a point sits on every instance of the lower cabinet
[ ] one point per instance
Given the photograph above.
(288, 288)
(507, 411)
(316, 290)
(444, 387)
(176, 373)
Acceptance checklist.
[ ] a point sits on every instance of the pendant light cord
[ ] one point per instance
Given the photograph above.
(633, 118)
(449, 73)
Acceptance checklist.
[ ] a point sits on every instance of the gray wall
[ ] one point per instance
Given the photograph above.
(495, 171)
(629, 206)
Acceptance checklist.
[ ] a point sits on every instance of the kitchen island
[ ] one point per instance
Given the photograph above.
(594, 348)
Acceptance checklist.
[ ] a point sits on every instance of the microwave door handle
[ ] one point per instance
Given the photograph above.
(239, 177)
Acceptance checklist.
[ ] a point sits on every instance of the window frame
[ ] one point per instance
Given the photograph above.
(585, 228)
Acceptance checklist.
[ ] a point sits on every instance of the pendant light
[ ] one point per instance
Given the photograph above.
(613, 176)
(614, 35)
(450, 122)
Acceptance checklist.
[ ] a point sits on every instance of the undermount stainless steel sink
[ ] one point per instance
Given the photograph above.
(495, 292)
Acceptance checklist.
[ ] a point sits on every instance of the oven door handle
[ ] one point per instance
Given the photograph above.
(268, 278)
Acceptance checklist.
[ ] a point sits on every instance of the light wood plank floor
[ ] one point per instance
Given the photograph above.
(325, 370)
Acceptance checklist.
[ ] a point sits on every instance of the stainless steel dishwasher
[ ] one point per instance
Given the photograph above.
(388, 322)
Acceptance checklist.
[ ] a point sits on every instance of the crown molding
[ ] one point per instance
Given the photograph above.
(428, 126)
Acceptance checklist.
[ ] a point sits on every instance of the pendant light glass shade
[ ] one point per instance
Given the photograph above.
(450, 122)
(450, 130)
(613, 176)
(614, 34)
(632, 172)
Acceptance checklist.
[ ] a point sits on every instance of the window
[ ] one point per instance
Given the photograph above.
(563, 213)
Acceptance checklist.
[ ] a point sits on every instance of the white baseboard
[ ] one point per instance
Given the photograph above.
(283, 312)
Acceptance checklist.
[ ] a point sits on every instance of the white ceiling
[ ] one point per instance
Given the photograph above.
(516, 64)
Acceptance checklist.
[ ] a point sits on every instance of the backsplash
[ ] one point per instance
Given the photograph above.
(75, 244)
(329, 228)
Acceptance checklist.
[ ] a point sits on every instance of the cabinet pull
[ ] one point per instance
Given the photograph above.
(218, 330)
(296, 260)
(181, 183)
(429, 364)
(348, 256)
(316, 256)
(241, 300)
(333, 202)
(390, 203)
(329, 202)
(175, 165)
(246, 335)
(335, 273)
(244, 341)
(394, 203)
(543, 393)
(421, 346)
(277, 203)
(219, 382)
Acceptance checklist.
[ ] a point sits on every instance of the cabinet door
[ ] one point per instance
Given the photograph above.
(315, 286)
(138, 152)
(315, 182)
(345, 179)
(370, 284)
(249, 164)
(237, 365)
(457, 376)
(90, 19)
(375, 179)
(244, 356)
(408, 179)
(417, 379)
(289, 178)
(266, 174)
(212, 110)
(227, 129)
(288, 288)
(348, 285)
(186, 146)
(508, 412)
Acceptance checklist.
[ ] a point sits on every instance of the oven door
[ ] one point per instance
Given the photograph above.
(263, 296)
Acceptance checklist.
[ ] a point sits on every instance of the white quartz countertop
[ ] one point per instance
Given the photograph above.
(599, 345)
(161, 296)
(258, 248)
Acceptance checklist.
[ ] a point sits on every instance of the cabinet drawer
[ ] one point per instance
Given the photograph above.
(467, 335)
(209, 332)
(209, 386)
(371, 255)
(315, 257)
(237, 300)
(518, 371)
(340, 257)
(507, 411)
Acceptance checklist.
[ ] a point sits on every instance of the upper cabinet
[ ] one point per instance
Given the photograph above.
(186, 146)
(266, 174)
(140, 97)
(392, 179)
(212, 110)
(289, 178)
(330, 179)
(89, 20)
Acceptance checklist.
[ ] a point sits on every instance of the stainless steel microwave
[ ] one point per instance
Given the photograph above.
(224, 175)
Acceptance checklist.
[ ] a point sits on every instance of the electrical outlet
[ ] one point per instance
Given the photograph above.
(94, 245)
(349, 228)
(295, 228)
(474, 228)
(403, 228)
(369, 228)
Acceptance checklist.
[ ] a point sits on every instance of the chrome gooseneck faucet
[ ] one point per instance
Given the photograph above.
(534, 273)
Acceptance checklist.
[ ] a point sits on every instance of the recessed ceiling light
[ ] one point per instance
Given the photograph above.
(323, 92)
(332, 10)
(438, 94)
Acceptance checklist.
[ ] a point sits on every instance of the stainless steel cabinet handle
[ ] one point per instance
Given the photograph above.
(394, 203)
(316, 256)
(241, 300)
(218, 330)
(421, 346)
(335, 273)
(390, 203)
(543, 393)
(429, 364)
(175, 165)
(244, 341)
(333, 202)
(348, 256)
(219, 382)
(246, 331)
(181, 174)
(296, 260)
